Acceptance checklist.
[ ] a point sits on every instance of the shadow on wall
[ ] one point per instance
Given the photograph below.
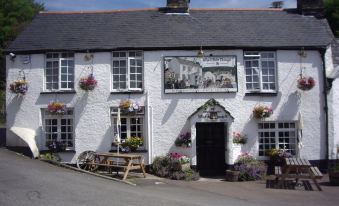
(106, 141)
(183, 150)
(252, 138)
(290, 107)
(13, 106)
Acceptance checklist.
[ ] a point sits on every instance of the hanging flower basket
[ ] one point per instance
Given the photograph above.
(184, 140)
(129, 107)
(56, 108)
(261, 111)
(239, 138)
(19, 87)
(306, 83)
(88, 83)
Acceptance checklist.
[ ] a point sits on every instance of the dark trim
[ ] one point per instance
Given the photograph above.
(247, 48)
(138, 151)
(322, 52)
(59, 92)
(129, 92)
(262, 94)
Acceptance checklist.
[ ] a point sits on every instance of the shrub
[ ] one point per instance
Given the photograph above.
(133, 143)
(249, 168)
(254, 170)
(165, 166)
(277, 156)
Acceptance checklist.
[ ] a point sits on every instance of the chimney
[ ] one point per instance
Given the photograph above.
(311, 8)
(177, 6)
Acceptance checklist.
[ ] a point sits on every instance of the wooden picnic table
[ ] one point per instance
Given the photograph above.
(127, 162)
(299, 169)
(91, 161)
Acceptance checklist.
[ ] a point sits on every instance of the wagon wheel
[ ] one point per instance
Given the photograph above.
(85, 160)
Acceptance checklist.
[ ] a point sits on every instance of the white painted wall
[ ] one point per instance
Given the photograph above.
(169, 112)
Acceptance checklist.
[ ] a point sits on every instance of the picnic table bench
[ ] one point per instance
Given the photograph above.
(298, 169)
(91, 161)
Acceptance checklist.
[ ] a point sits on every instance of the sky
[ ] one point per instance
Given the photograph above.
(89, 5)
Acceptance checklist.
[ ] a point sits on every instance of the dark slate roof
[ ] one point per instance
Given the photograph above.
(152, 29)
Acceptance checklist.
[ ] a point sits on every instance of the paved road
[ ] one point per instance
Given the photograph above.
(28, 182)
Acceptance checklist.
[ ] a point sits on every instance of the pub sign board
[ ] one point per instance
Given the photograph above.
(206, 74)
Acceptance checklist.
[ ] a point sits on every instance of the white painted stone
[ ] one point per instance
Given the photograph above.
(168, 113)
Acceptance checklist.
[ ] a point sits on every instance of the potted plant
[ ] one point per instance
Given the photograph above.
(333, 172)
(129, 107)
(249, 168)
(56, 146)
(132, 143)
(184, 140)
(183, 160)
(239, 138)
(277, 156)
(19, 87)
(306, 83)
(56, 108)
(88, 83)
(262, 111)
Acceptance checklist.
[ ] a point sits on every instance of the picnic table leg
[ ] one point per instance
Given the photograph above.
(127, 169)
(314, 179)
(283, 177)
(142, 166)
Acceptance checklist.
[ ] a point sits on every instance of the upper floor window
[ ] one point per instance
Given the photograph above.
(260, 70)
(59, 73)
(127, 70)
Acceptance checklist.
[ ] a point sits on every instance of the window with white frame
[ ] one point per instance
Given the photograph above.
(131, 125)
(277, 135)
(59, 128)
(260, 70)
(59, 72)
(127, 70)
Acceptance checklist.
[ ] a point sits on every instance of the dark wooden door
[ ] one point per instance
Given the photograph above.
(211, 149)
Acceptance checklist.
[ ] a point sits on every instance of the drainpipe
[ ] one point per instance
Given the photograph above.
(322, 52)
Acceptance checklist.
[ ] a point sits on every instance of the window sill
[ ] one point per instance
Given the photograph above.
(263, 94)
(138, 151)
(59, 92)
(127, 92)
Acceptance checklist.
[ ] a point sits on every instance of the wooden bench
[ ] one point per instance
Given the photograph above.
(314, 170)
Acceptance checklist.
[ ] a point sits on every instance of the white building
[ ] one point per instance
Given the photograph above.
(126, 50)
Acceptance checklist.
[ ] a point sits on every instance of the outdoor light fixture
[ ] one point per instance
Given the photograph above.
(200, 53)
(12, 56)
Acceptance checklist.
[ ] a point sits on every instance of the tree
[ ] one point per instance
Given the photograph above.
(14, 16)
(277, 4)
(332, 15)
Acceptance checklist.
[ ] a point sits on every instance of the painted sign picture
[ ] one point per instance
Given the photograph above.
(207, 74)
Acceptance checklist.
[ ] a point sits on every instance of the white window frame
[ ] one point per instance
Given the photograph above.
(278, 144)
(128, 70)
(260, 59)
(69, 116)
(128, 125)
(59, 59)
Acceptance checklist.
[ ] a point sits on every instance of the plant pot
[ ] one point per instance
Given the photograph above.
(185, 167)
(232, 176)
(334, 177)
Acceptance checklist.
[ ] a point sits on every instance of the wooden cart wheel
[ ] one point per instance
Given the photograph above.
(86, 159)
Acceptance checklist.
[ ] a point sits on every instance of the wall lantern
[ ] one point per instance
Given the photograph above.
(200, 53)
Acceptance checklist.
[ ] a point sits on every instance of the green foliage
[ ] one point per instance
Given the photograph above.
(133, 142)
(14, 16)
(50, 156)
(332, 15)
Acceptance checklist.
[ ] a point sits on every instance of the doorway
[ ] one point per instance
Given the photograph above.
(211, 148)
